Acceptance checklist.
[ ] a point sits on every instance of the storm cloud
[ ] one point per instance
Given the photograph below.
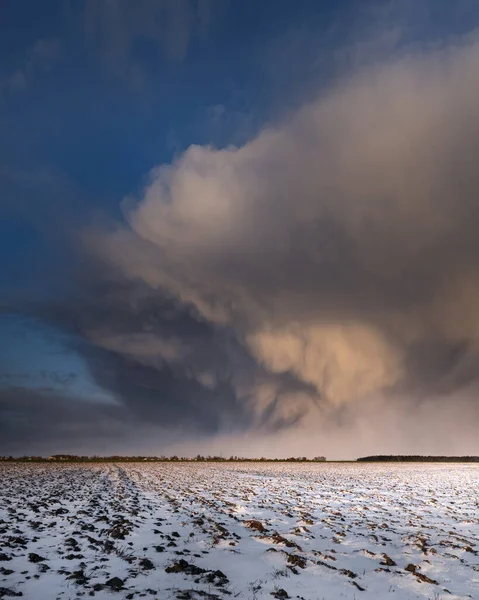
(339, 245)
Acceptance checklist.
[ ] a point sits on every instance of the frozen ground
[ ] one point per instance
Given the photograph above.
(255, 531)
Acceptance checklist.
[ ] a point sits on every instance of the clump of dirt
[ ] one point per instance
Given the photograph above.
(296, 561)
(183, 566)
(257, 525)
(115, 583)
(280, 594)
(9, 593)
(35, 558)
(388, 561)
(145, 563)
(425, 578)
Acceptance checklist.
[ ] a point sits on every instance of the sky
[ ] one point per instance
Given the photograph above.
(238, 227)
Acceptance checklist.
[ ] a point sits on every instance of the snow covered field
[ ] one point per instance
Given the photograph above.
(210, 531)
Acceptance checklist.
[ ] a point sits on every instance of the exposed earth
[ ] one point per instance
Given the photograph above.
(254, 531)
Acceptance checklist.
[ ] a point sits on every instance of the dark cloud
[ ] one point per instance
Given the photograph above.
(40, 421)
(153, 393)
(163, 365)
(339, 244)
(151, 354)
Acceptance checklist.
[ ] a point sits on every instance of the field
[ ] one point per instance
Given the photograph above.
(254, 531)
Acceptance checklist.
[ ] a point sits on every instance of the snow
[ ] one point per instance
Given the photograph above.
(241, 530)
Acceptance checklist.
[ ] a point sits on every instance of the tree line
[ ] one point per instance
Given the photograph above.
(174, 458)
(417, 458)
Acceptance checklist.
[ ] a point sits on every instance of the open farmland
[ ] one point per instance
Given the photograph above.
(211, 531)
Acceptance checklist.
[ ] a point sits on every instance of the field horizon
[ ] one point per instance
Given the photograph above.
(235, 459)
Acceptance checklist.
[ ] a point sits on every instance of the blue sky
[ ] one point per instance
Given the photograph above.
(93, 95)
(85, 117)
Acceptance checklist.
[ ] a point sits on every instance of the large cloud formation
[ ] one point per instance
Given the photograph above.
(339, 246)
